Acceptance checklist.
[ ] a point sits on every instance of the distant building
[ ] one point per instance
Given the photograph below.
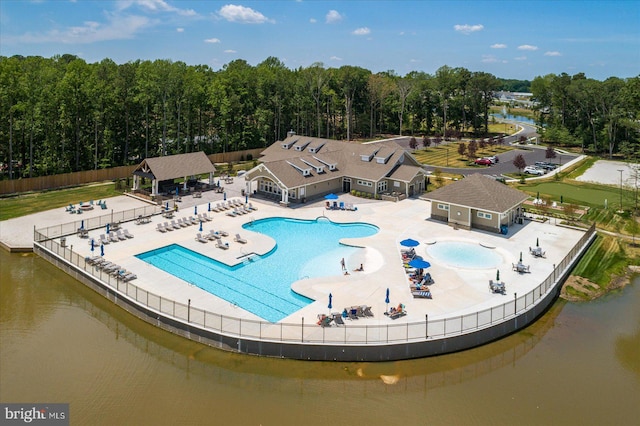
(301, 167)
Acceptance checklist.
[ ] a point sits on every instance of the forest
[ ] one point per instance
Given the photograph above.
(62, 114)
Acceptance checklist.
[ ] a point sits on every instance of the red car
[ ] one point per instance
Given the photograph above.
(483, 162)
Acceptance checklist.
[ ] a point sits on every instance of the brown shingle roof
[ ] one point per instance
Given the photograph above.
(176, 166)
(479, 192)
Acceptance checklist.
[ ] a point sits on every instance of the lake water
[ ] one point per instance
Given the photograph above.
(510, 117)
(61, 342)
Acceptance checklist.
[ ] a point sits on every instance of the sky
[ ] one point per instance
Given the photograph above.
(509, 39)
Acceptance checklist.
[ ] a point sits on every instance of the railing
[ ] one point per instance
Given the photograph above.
(309, 332)
(90, 223)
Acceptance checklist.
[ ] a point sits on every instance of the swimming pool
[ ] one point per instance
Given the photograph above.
(464, 255)
(304, 249)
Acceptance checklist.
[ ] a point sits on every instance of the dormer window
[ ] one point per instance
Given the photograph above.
(302, 146)
(304, 170)
(287, 145)
(331, 166)
(315, 149)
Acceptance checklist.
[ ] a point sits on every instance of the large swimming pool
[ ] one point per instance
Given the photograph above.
(464, 255)
(304, 249)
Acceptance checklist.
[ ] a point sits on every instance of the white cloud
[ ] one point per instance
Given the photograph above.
(552, 53)
(335, 58)
(527, 47)
(243, 15)
(117, 27)
(212, 40)
(468, 29)
(230, 51)
(520, 58)
(156, 6)
(498, 46)
(313, 20)
(332, 17)
(361, 31)
(489, 59)
(180, 30)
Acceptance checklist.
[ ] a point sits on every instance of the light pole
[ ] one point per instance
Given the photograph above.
(620, 170)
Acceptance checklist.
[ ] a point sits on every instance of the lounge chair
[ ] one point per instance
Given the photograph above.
(111, 268)
(168, 227)
(223, 233)
(222, 245)
(324, 320)
(175, 225)
(128, 276)
(103, 239)
(231, 213)
(113, 237)
(341, 205)
(395, 313)
(120, 235)
(337, 318)
(366, 310)
(127, 233)
(212, 235)
(92, 259)
(105, 264)
(239, 239)
(352, 313)
(183, 223)
(251, 207)
(422, 294)
(200, 238)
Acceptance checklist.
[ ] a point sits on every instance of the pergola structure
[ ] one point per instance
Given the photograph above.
(159, 169)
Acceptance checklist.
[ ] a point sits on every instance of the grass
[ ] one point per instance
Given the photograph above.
(24, 204)
(447, 155)
(606, 257)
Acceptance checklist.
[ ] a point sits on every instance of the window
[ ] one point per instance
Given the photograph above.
(382, 186)
(484, 215)
(443, 207)
(365, 183)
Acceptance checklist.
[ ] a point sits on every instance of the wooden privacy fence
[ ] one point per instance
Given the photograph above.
(41, 183)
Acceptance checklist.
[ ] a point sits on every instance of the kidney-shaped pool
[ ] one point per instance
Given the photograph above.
(461, 254)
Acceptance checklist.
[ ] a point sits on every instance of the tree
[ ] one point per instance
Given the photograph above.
(550, 153)
(426, 142)
(519, 162)
(472, 148)
(413, 144)
(462, 148)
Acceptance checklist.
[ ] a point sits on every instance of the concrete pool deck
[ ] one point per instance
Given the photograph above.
(456, 291)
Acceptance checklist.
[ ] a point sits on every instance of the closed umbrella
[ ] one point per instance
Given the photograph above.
(107, 228)
(200, 226)
(409, 243)
(209, 207)
(195, 209)
(167, 206)
(498, 275)
(101, 249)
(82, 224)
(386, 299)
(330, 298)
(520, 257)
(537, 243)
(93, 243)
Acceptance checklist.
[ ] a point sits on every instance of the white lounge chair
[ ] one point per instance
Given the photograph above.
(206, 217)
(161, 228)
(183, 223)
(175, 225)
(127, 233)
(103, 239)
(168, 227)
(251, 207)
(231, 213)
(113, 237)
(120, 235)
(222, 245)
(212, 235)
(239, 239)
(200, 238)
(223, 233)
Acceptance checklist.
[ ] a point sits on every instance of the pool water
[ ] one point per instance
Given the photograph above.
(262, 285)
(464, 255)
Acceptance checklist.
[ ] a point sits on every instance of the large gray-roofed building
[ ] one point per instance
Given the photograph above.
(477, 202)
(302, 167)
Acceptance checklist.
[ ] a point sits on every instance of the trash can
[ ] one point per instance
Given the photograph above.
(63, 241)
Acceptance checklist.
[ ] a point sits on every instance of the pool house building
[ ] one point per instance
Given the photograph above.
(477, 202)
(302, 168)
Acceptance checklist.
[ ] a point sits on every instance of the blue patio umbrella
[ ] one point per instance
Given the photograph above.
(93, 243)
(224, 196)
(107, 228)
(331, 196)
(386, 299)
(82, 224)
(200, 226)
(209, 207)
(419, 263)
(409, 243)
(166, 206)
(246, 198)
(101, 249)
(330, 297)
(195, 209)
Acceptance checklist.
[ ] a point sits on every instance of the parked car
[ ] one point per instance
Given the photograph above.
(483, 162)
(494, 159)
(532, 170)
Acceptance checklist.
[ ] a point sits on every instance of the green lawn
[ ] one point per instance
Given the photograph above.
(582, 194)
(25, 204)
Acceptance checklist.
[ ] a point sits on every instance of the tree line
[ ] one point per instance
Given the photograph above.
(62, 114)
(600, 117)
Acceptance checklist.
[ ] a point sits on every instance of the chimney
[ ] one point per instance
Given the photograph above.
(290, 133)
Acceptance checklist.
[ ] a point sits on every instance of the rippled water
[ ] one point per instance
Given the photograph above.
(61, 342)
